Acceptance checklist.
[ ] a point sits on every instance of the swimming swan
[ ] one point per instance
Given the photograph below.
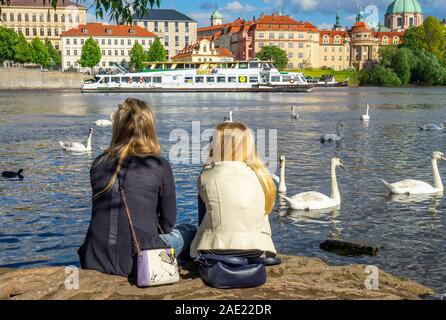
(419, 187)
(366, 117)
(76, 146)
(333, 137)
(104, 122)
(280, 180)
(294, 115)
(432, 127)
(315, 200)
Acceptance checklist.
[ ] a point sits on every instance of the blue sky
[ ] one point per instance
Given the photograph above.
(319, 12)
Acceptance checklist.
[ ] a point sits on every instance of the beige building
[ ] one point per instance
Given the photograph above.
(175, 30)
(34, 19)
(203, 51)
(334, 50)
(116, 43)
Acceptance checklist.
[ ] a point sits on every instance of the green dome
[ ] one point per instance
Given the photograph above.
(404, 6)
(216, 15)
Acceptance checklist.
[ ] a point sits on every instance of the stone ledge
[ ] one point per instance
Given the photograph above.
(295, 278)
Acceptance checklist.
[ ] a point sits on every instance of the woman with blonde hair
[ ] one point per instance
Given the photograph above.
(236, 196)
(133, 163)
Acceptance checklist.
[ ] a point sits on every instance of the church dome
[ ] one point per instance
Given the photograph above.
(404, 6)
(216, 14)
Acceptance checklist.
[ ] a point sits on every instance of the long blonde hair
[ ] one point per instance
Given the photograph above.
(134, 134)
(234, 141)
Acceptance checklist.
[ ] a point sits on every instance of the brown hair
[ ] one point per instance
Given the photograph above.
(134, 134)
(234, 141)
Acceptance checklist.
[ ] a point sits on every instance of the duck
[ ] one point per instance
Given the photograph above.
(366, 117)
(432, 127)
(414, 187)
(229, 119)
(333, 137)
(308, 201)
(77, 146)
(294, 115)
(105, 122)
(13, 175)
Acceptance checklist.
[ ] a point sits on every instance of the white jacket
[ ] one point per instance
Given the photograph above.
(235, 210)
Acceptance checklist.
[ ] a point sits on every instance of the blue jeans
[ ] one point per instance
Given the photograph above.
(180, 238)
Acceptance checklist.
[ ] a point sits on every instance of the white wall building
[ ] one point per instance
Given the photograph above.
(115, 41)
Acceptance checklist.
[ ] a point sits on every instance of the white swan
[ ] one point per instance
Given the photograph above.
(366, 117)
(419, 187)
(334, 137)
(104, 122)
(294, 115)
(432, 127)
(315, 200)
(76, 146)
(280, 180)
(229, 119)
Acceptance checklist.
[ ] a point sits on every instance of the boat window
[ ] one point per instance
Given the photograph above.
(254, 65)
(124, 79)
(210, 79)
(188, 80)
(243, 65)
(136, 79)
(156, 79)
(115, 79)
(275, 79)
(286, 79)
(221, 79)
(199, 79)
(233, 65)
(253, 79)
(147, 79)
(106, 79)
(232, 79)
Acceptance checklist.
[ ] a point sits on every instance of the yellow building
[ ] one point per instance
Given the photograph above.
(334, 50)
(203, 51)
(34, 19)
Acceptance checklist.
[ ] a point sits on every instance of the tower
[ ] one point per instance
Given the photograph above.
(216, 18)
(338, 26)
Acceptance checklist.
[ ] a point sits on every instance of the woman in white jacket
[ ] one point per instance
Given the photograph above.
(236, 196)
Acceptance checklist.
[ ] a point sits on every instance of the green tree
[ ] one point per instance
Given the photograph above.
(275, 54)
(91, 54)
(402, 64)
(8, 42)
(379, 76)
(428, 69)
(22, 50)
(55, 57)
(39, 53)
(157, 52)
(119, 11)
(137, 57)
(387, 55)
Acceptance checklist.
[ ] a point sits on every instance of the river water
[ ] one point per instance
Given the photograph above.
(43, 219)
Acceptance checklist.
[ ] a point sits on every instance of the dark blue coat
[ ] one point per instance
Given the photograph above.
(150, 192)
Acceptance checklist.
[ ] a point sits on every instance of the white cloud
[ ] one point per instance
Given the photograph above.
(325, 26)
(236, 6)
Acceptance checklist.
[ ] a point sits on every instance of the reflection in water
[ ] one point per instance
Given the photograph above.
(44, 218)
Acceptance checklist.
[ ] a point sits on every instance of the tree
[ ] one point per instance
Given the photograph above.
(428, 69)
(157, 52)
(119, 11)
(379, 76)
(137, 57)
(275, 54)
(39, 53)
(402, 64)
(22, 50)
(387, 55)
(91, 54)
(8, 42)
(55, 57)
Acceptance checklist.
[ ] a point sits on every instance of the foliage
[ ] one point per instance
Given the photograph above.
(91, 54)
(157, 52)
(8, 42)
(55, 56)
(137, 57)
(22, 50)
(402, 64)
(275, 54)
(39, 53)
(119, 11)
(428, 70)
(380, 76)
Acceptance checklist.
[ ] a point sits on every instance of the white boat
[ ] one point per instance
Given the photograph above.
(237, 76)
(327, 81)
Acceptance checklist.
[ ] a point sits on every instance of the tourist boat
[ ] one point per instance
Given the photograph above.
(327, 80)
(236, 76)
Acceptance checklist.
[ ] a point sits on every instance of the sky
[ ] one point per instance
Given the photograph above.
(319, 12)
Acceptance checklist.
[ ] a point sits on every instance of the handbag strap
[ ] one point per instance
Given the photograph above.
(212, 258)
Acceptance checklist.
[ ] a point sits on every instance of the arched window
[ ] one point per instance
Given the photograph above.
(326, 39)
(26, 17)
(399, 22)
(62, 18)
(11, 17)
(337, 40)
(48, 17)
(34, 17)
(70, 18)
(385, 40)
(19, 17)
(411, 21)
(41, 17)
(396, 40)
(77, 18)
(4, 17)
(56, 18)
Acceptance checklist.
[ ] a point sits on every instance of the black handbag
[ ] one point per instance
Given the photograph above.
(227, 272)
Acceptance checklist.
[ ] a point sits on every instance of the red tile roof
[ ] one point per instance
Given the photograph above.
(281, 23)
(332, 34)
(39, 3)
(100, 30)
(360, 26)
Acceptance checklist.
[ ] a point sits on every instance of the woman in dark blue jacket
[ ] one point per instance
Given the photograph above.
(133, 162)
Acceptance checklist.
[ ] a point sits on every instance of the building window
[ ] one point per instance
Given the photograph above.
(109, 52)
(56, 32)
(56, 46)
(385, 40)
(129, 42)
(271, 36)
(177, 41)
(396, 40)
(411, 21)
(122, 42)
(35, 32)
(26, 31)
(300, 45)
(103, 52)
(290, 55)
(109, 42)
(77, 18)
(116, 53)
(67, 41)
(337, 40)
(42, 32)
(11, 17)
(155, 27)
(177, 26)
(291, 36)
(82, 41)
(122, 52)
(26, 17)
(290, 45)
(19, 30)
(68, 52)
(48, 18)
(62, 18)
(166, 41)
(301, 36)
(281, 45)
(4, 17)
(399, 22)
(186, 40)
(261, 36)
(103, 42)
(301, 55)
(75, 52)
(143, 42)
(326, 40)
(116, 42)
(261, 44)
(19, 17)
(340, 58)
(166, 26)
(56, 18)
(75, 41)
(146, 25)
(70, 18)
(281, 36)
(41, 18)
(34, 17)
